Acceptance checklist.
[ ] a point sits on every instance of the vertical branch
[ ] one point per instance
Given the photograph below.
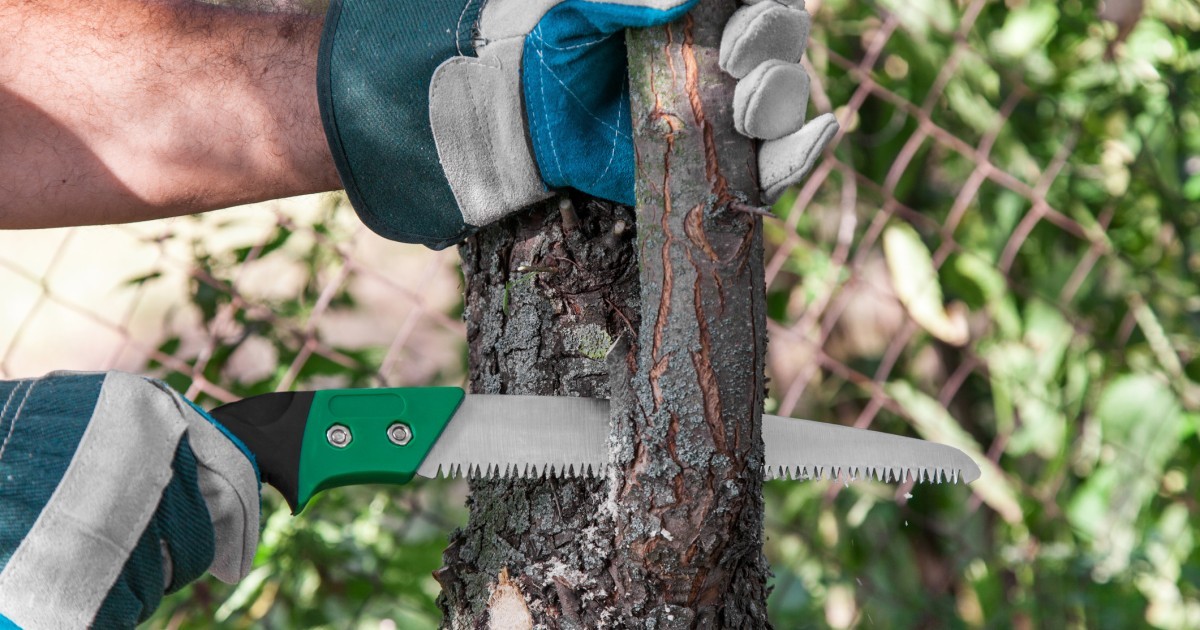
(689, 503)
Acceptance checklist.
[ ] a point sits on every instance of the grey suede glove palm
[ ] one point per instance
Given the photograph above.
(447, 115)
(762, 46)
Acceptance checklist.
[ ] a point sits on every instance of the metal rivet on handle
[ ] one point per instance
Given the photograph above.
(399, 433)
(338, 435)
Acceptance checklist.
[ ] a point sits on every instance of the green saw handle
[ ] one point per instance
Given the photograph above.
(306, 442)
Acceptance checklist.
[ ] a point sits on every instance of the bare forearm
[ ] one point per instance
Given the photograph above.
(122, 110)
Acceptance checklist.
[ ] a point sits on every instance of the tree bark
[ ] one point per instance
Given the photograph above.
(689, 520)
(673, 538)
(543, 309)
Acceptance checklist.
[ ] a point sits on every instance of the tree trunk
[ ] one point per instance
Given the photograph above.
(543, 308)
(673, 538)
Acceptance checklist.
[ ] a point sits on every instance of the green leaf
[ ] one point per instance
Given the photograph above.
(143, 279)
(916, 284)
(1020, 394)
(1164, 351)
(921, 16)
(1142, 418)
(1141, 422)
(1190, 427)
(1025, 377)
(1048, 334)
(277, 240)
(992, 285)
(1191, 189)
(1027, 27)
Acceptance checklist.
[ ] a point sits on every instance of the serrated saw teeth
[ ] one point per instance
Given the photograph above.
(847, 474)
(844, 474)
(514, 470)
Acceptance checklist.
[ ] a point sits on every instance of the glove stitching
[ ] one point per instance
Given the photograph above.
(124, 541)
(8, 401)
(576, 46)
(542, 68)
(487, 129)
(613, 154)
(243, 516)
(458, 29)
(567, 89)
(16, 415)
(487, 42)
(435, 87)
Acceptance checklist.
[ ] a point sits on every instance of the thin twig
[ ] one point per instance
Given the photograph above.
(755, 210)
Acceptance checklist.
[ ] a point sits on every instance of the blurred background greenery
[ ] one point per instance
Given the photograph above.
(997, 254)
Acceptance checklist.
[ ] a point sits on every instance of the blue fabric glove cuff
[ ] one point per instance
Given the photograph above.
(576, 84)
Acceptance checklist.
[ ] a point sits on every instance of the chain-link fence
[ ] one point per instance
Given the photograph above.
(996, 254)
(278, 296)
(273, 292)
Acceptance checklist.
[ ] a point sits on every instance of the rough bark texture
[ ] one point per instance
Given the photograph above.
(673, 539)
(689, 507)
(543, 309)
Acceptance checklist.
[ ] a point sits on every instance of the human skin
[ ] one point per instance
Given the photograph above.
(123, 110)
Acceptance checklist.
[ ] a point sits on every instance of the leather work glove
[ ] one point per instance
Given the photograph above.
(113, 490)
(447, 115)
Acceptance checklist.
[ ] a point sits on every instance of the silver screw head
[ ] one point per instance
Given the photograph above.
(338, 435)
(399, 433)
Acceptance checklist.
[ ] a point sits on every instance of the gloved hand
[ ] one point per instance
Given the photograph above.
(432, 143)
(113, 490)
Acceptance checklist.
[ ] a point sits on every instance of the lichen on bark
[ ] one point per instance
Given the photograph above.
(533, 292)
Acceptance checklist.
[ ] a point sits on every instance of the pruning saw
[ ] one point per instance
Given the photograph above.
(306, 442)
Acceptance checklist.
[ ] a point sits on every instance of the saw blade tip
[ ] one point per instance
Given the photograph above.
(885, 474)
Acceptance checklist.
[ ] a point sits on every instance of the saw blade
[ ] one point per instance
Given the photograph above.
(532, 436)
(803, 449)
(522, 436)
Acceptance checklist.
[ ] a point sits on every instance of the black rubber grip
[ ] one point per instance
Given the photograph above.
(272, 427)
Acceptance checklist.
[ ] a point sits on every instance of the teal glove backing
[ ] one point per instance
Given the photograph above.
(113, 490)
(432, 143)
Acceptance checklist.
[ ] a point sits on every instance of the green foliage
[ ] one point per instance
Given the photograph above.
(1079, 380)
